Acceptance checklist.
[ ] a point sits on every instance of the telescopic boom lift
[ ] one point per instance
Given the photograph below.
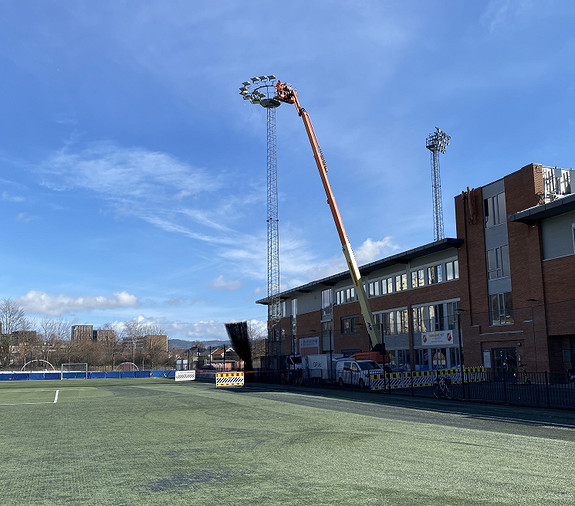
(288, 95)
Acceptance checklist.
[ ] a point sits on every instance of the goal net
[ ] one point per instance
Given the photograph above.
(72, 371)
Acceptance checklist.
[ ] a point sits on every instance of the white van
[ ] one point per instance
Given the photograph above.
(349, 371)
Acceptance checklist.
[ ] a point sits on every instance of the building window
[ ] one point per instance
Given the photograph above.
(419, 319)
(498, 262)
(421, 360)
(373, 288)
(494, 208)
(389, 282)
(394, 322)
(452, 270)
(350, 325)
(501, 308)
(403, 322)
(435, 274)
(400, 282)
(294, 307)
(326, 302)
(345, 295)
(420, 277)
(437, 317)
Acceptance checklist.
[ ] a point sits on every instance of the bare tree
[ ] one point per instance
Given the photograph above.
(12, 317)
(258, 340)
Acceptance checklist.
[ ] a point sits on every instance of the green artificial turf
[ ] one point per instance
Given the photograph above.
(155, 441)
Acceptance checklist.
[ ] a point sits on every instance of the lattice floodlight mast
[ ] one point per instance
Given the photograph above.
(261, 90)
(437, 142)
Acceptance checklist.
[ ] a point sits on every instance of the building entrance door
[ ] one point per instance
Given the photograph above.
(504, 362)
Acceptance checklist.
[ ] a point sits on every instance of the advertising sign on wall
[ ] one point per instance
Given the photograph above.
(438, 339)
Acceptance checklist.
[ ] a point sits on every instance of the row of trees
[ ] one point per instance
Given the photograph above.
(24, 340)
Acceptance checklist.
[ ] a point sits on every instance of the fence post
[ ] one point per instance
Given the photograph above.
(505, 387)
(547, 390)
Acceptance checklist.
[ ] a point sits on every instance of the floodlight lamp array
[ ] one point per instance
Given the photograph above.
(437, 141)
(260, 90)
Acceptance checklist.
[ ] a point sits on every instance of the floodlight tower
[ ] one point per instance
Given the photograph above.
(437, 142)
(261, 90)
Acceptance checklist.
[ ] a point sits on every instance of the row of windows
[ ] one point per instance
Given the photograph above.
(431, 317)
(419, 277)
(394, 322)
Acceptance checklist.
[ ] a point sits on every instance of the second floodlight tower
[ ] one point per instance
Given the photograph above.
(261, 90)
(437, 142)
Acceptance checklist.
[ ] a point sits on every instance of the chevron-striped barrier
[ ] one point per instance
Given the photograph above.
(230, 379)
(424, 378)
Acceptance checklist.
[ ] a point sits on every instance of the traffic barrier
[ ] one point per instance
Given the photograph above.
(230, 379)
(380, 381)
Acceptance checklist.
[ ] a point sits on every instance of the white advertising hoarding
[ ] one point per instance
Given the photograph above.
(436, 339)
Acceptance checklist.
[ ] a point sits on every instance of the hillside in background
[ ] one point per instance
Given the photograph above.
(183, 344)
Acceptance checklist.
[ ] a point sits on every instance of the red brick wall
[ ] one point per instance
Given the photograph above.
(559, 275)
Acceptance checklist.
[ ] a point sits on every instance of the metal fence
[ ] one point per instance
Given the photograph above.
(537, 389)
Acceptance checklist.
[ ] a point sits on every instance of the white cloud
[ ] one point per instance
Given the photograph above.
(202, 330)
(38, 302)
(371, 250)
(220, 283)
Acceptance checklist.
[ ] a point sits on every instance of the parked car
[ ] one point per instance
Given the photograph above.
(349, 371)
(207, 371)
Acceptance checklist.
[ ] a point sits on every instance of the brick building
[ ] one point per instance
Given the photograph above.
(82, 333)
(505, 285)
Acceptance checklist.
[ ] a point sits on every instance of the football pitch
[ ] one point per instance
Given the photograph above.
(154, 441)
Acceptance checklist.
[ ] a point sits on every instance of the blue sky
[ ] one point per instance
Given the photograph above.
(133, 176)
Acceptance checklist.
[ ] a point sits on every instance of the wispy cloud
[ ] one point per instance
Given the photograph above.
(220, 283)
(501, 13)
(24, 218)
(11, 198)
(38, 302)
(125, 173)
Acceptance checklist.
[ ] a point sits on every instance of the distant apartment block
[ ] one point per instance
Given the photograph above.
(82, 333)
(107, 336)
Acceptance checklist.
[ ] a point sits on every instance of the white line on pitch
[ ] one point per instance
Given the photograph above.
(27, 403)
(56, 396)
